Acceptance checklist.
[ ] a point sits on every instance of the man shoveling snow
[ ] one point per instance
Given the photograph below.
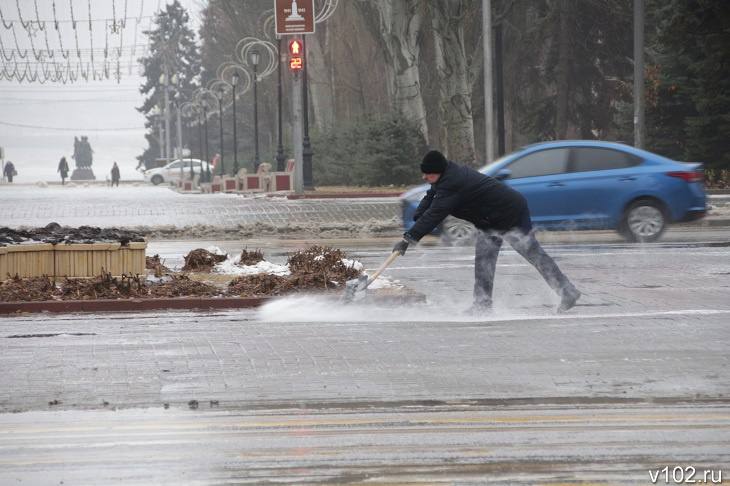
(498, 212)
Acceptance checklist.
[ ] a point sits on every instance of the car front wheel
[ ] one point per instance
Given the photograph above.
(457, 232)
(157, 179)
(644, 221)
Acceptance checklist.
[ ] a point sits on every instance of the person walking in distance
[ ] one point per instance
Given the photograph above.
(498, 212)
(63, 169)
(115, 174)
(9, 171)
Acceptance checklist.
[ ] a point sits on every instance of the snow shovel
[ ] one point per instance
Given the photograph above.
(355, 288)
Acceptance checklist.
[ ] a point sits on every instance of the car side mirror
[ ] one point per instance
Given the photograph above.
(503, 174)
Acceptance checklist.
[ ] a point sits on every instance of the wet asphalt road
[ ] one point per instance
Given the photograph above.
(635, 378)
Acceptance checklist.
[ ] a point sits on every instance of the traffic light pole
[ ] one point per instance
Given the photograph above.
(296, 100)
(306, 144)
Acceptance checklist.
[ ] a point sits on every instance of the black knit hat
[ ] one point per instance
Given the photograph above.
(433, 162)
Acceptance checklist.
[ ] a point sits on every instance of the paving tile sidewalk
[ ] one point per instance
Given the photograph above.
(160, 207)
(152, 206)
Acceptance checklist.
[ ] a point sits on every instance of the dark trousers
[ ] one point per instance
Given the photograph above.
(522, 239)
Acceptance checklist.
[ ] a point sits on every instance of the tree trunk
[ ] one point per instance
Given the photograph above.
(320, 88)
(398, 23)
(454, 86)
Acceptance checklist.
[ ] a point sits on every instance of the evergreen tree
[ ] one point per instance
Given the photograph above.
(691, 120)
(574, 54)
(172, 49)
(376, 151)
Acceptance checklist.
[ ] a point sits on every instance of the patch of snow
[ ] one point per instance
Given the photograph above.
(215, 250)
(353, 263)
(231, 267)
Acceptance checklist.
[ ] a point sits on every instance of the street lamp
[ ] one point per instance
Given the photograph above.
(234, 83)
(255, 57)
(200, 95)
(156, 114)
(208, 175)
(307, 146)
(165, 82)
(280, 148)
(189, 108)
(178, 109)
(219, 97)
(199, 111)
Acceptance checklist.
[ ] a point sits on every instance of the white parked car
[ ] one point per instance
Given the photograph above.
(171, 172)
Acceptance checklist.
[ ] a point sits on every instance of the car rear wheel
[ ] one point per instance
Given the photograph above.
(644, 221)
(157, 179)
(457, 232)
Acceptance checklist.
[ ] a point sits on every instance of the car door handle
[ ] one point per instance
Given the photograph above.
(627, 178)
(556, 184)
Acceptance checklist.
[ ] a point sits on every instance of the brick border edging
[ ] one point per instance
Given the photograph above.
(123, 305)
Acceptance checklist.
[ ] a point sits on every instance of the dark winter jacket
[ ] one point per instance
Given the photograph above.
(63, 167)
(467, 194)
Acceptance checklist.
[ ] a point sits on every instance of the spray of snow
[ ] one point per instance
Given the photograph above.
(309, 308)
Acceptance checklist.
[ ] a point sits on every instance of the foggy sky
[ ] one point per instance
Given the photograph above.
(103, 110)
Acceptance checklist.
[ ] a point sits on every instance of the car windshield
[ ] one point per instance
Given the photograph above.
(489, 167)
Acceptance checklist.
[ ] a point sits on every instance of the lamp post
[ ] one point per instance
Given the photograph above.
(234, 83)
(219, 96)
(208, 176)
(178, 109)
(165, 81)
(188, 107)
(255, 57)
(200, 141)
(157, 120)
(280, 149)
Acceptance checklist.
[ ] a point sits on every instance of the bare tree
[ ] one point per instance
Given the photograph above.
(455, 94)
(319, 70)
(398, 24)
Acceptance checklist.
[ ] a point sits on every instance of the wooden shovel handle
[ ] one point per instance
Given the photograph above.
(385, 265)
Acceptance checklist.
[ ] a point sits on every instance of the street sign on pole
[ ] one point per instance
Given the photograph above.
(294, 16)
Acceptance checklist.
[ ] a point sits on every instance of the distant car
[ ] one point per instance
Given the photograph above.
(171, 172)
(574, 185)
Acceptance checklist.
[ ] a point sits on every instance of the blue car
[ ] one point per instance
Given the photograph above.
(574, 185)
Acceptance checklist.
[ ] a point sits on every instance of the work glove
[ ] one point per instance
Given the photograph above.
(401, 247)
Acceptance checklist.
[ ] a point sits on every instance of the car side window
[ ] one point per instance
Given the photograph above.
(589, 158)
(174, 165)
(540, 163)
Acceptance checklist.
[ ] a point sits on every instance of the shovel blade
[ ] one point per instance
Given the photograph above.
(354, 289)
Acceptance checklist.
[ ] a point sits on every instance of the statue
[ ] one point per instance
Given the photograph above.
(294, 16)
(83, 155)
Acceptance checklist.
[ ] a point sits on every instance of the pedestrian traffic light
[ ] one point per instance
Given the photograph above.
(295, 47)
(296, 61)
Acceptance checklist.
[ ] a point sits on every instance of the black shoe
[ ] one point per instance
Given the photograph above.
(568, 299)
(478, 310)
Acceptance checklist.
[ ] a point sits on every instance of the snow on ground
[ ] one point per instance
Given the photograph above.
(232, 267)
